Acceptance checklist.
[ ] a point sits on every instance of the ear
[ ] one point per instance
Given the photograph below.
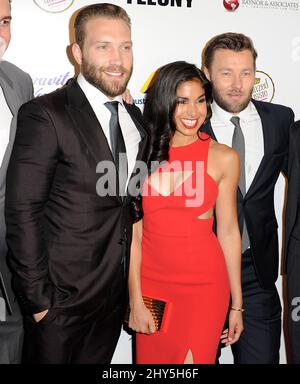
(206, 71)
(77, 53)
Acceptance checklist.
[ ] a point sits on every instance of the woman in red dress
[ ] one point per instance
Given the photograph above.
(175, 255)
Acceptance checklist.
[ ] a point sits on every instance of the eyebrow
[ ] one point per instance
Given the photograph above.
(5, 17)
(230, 69)
(109, 42)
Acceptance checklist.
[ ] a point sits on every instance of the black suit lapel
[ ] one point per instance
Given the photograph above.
(142, 151)
(268, 146)
(87, 124)
(138, 121)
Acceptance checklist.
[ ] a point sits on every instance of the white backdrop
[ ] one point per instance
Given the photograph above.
(165, 31)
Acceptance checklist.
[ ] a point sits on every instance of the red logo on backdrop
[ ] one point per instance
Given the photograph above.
(231, 5)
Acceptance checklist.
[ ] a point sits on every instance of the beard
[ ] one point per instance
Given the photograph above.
(3, 47)
(231, 106)
(111, 88)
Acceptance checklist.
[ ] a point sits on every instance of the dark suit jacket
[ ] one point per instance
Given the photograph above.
(257, 206)
(294, 185)
(67, 244)
(292, 243)
(17, 88)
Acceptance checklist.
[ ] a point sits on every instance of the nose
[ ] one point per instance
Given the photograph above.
(192, 109)
(115, 56)
(237, 81)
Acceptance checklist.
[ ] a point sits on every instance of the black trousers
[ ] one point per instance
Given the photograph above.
(293, 290)
(62, 339)
(260, 340)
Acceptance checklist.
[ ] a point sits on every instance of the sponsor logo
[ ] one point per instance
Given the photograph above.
(163, 3)
(231, 5)
(140, 101)
(272, 5)
(264, 87)
(144, 89)
(54, 6)
(43, 85)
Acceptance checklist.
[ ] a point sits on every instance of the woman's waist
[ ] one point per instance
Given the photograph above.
(197, 273)
(182, 227)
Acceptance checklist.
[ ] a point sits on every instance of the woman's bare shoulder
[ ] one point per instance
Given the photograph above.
(222, 153)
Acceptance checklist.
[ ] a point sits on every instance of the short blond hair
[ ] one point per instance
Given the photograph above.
(97, 10)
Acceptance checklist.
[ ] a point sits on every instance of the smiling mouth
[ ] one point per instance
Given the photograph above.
(189, 123)
(114, 74)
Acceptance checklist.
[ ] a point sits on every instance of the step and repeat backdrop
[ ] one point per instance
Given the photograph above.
(165, 31)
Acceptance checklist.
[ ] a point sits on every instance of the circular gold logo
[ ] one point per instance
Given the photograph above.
(264, 88)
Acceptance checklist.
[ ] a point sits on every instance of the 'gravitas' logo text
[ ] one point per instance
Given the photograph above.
(163, 3)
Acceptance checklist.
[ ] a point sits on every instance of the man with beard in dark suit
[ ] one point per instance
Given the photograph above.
(15, 89)
(259, 131)
(69, 232)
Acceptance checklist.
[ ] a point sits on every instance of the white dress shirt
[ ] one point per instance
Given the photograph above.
(253, 134)
(130, 133)
(6, 117)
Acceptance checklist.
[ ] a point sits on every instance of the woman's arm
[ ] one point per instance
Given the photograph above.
(230, 240)
(140, 318)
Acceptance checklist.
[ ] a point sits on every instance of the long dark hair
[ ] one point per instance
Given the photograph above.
(161, 103)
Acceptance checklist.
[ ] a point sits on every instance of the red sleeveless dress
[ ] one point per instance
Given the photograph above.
(183, 263)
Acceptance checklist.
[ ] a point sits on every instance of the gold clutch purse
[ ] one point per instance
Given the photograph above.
(159, 310)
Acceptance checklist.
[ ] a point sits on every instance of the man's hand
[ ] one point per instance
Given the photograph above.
(40, 315)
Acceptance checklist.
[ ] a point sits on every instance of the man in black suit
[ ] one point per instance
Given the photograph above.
(259, 131)
(292, 243)
(15, 89)
(69, 231)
